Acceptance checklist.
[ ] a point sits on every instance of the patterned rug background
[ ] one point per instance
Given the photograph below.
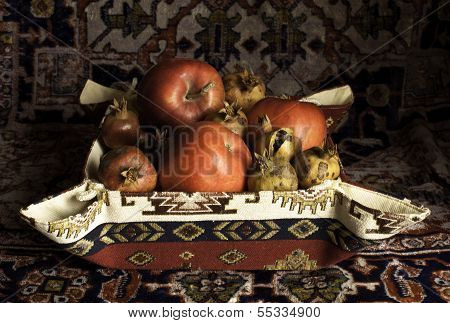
(396, 138)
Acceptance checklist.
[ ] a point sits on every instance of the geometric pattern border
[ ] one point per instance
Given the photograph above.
(224, 231)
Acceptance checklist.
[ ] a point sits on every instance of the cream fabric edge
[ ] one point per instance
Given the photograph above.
(42, 215)
(96, 93)
(342, 95)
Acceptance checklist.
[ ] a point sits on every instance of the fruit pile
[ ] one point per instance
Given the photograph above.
(187, 129)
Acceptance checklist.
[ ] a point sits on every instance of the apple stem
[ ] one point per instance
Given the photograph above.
(204, 90)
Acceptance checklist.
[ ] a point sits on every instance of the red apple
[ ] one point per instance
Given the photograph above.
(179, 91)
(205, 157)
(306, 119)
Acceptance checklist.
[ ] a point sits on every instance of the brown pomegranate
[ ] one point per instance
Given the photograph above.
(316, 165)
(272, 175)
(243, 88)
(121, 126)
(280, 142)
(127, 169)
(231, 117)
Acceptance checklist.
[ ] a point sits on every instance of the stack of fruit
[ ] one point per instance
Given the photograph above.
(204, 129)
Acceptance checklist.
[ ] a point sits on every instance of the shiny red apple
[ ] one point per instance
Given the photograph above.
(205, 157)
(179, 91)
(306, 119)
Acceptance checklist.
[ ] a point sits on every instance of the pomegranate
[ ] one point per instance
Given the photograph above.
(243, 88)
(121, 126)
(127, 169)
(231, 117)
(279, 142)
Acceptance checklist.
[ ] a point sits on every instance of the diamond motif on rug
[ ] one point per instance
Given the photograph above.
(303, 229)
(186, 255)
(61, 284)
(188, 231)
(82, 247)
(54, 285)
(232, 257)
(141, 258)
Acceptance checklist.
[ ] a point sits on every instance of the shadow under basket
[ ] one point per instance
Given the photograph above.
(295, 230)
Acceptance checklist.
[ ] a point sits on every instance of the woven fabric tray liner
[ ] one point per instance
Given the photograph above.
(302, 229)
